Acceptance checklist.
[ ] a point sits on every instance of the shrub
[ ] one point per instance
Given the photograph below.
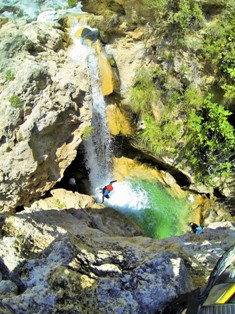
(72, 3)
(86, 132)
(212, 141)
(219, 50)
(161, 138)
(193, 98)
(144, 92)
(15, 101)
(9, 75)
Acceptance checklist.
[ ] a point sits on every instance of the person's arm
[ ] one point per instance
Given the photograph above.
(111, 182)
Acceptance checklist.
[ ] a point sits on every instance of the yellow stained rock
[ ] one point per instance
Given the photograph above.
(118, 122)
(105, 71)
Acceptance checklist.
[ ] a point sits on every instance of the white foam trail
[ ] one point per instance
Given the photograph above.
(126, 197)
(77, 51)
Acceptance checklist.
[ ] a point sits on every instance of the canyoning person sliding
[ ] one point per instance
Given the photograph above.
(106, 190)
(195, 228)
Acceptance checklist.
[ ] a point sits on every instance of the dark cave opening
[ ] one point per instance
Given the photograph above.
(76, 176)
(19, 208)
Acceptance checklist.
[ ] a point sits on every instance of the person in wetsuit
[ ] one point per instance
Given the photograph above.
(106, 190)
(195, 228)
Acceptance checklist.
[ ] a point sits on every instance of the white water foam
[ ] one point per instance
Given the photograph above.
(78, 52)
(126, 197)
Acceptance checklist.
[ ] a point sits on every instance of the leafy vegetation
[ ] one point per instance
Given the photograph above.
(144, 91)
(86, 132)
(15, 101)
(187, 122)
(185, 14)
(212, 141)
(219, 49)
(9, 75)
(60, 204)
(72, 3)
(163, 134)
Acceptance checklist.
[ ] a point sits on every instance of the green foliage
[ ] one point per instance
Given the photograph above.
(144, 92)
(183, 16)
(72, 3)
(161, 138)
(15, 101)
(20, 137)
(188, 15)
(160, 6)
(193, 98)
(174, 99)
(86, 132)
(59, 204)
(219, 49)
(9, 75)
(212, 141)
(164, 135)
(229, 91)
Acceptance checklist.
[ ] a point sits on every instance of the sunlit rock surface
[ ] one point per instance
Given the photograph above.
(45, 106)
(59, 257)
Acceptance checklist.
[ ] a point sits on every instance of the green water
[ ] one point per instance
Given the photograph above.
(150, 204)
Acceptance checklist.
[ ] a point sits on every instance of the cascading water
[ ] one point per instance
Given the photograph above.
(145, 201)
(97, 146)
(98, 151)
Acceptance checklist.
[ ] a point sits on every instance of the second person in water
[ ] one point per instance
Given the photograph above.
(106, 190)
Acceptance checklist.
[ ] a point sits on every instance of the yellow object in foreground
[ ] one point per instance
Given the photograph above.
(226, 295)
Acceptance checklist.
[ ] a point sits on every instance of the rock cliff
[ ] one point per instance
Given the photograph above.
(45, 106)
(79, 257)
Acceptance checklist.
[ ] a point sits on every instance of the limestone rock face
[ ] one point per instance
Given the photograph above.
(45, 105)
(128, 56)
(66, 258)
(132, 12)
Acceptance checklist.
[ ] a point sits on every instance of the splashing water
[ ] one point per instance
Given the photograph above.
(149, 204)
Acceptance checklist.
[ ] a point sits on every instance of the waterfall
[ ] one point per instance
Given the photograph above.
(98, 152)
(98, 145)
(145, 201)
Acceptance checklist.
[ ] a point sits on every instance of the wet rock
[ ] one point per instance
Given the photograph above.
(90, 34)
